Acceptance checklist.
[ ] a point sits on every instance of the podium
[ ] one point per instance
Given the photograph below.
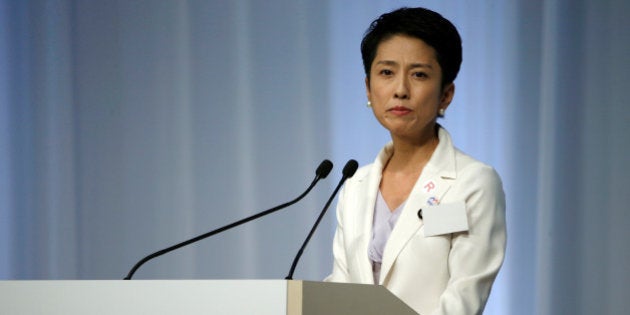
(229, 297)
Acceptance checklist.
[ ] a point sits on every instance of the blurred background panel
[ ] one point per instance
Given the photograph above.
(128, 126)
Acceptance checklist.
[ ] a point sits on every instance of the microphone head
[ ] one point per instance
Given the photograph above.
(350, 168)
(324, 169)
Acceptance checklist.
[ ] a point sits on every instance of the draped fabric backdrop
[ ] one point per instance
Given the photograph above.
(127, 126)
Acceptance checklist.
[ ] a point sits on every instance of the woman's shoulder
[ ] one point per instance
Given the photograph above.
(470, 167)
(362, 173)
(464, 163)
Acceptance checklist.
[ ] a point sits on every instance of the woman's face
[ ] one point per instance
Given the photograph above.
(405, 88)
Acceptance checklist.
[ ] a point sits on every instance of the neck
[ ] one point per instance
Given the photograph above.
(412, 155)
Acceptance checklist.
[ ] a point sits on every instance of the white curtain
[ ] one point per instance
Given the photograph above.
(128, 126)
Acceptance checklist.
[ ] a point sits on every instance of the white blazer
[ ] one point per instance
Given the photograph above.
(444, 274)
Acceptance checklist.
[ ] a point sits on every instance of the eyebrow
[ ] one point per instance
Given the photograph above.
(412, 66)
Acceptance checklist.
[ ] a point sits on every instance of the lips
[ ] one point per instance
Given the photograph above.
(399, 110)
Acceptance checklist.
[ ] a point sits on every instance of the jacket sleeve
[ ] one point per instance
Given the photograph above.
(476, 255)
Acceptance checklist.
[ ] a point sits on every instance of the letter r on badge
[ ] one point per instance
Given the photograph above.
(429, 186)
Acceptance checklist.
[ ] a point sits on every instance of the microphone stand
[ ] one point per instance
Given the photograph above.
(322, 171)
(348, 171)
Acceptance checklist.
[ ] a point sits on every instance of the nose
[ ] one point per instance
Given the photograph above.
(402, 88)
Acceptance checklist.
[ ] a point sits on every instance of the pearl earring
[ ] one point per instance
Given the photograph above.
(441, 112)
(369, 104)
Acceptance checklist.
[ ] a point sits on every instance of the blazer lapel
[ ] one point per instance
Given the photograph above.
(369, 185)
(409, 223)
(430, 188)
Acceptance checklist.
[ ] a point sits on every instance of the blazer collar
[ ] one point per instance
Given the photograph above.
(370, 183)
(433, 183)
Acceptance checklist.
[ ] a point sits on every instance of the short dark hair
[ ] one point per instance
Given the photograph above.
(421, 23)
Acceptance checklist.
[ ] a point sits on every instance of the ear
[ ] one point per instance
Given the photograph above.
(367, 88)
(447, 95)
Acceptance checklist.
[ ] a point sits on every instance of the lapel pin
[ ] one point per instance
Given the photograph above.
(432, 201)
(429, 186)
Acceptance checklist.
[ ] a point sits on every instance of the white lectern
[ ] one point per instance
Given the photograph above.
(230, 297)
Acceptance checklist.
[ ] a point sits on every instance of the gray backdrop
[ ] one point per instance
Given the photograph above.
(127, 126)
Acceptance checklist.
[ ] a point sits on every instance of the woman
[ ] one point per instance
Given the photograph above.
(424, 220)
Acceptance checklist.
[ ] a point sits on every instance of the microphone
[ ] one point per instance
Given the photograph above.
(322, 171)
(348, 171)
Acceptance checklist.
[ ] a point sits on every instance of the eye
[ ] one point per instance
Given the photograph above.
(386, 72)
(420, 75)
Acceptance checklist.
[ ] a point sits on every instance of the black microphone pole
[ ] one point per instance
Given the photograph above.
(348, 170)
(322, 171)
